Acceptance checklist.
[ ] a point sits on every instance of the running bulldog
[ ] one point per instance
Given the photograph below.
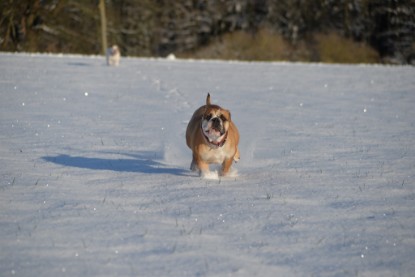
(213, 139)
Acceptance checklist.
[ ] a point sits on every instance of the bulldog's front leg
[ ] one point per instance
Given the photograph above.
(226, 166)
(193, 165)
(202, 166)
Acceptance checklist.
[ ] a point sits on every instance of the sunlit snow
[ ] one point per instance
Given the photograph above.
(95, 179)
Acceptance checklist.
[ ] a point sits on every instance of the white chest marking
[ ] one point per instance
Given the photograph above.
(216, 156)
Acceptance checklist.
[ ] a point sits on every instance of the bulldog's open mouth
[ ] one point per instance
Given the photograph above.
(212, 134)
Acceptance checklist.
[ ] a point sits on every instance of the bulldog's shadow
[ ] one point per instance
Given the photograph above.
(142, 162)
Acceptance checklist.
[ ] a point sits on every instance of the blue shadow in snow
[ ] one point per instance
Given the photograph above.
(136, 163)
(79, 64)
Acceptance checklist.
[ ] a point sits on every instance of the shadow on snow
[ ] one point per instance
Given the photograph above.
(137, 163)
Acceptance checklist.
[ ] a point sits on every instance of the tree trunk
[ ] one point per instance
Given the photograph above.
(103, 26)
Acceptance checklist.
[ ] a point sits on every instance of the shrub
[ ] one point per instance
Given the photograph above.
(266, 45)
(263, 45)
(333, 48)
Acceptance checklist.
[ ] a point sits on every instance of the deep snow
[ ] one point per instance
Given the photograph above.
(94, 177)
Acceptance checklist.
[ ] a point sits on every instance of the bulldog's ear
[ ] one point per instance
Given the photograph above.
(208, 99)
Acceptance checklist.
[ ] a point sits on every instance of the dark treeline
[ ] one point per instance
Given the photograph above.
(160, 27)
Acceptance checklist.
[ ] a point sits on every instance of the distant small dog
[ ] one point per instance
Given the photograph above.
(113, 56)
(213, 139)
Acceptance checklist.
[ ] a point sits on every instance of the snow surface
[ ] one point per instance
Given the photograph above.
(94, 177)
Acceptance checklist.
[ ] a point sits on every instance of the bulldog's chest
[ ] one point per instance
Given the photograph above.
(217, 155)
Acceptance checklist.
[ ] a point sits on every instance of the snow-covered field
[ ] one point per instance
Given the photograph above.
(94, 177)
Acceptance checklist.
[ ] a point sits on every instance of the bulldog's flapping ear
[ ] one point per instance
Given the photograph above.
(208, 100)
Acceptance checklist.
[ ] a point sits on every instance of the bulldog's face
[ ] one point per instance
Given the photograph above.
(215, 123)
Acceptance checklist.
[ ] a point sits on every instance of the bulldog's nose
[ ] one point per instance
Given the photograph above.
(215, 122)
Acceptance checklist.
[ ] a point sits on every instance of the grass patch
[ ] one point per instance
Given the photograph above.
(267, 45)
(333, 48)
(263, 45)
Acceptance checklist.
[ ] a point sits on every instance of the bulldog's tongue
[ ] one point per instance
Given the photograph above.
(213, 132)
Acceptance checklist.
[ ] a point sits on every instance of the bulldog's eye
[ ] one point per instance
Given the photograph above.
(222, 117)
(208, 117)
